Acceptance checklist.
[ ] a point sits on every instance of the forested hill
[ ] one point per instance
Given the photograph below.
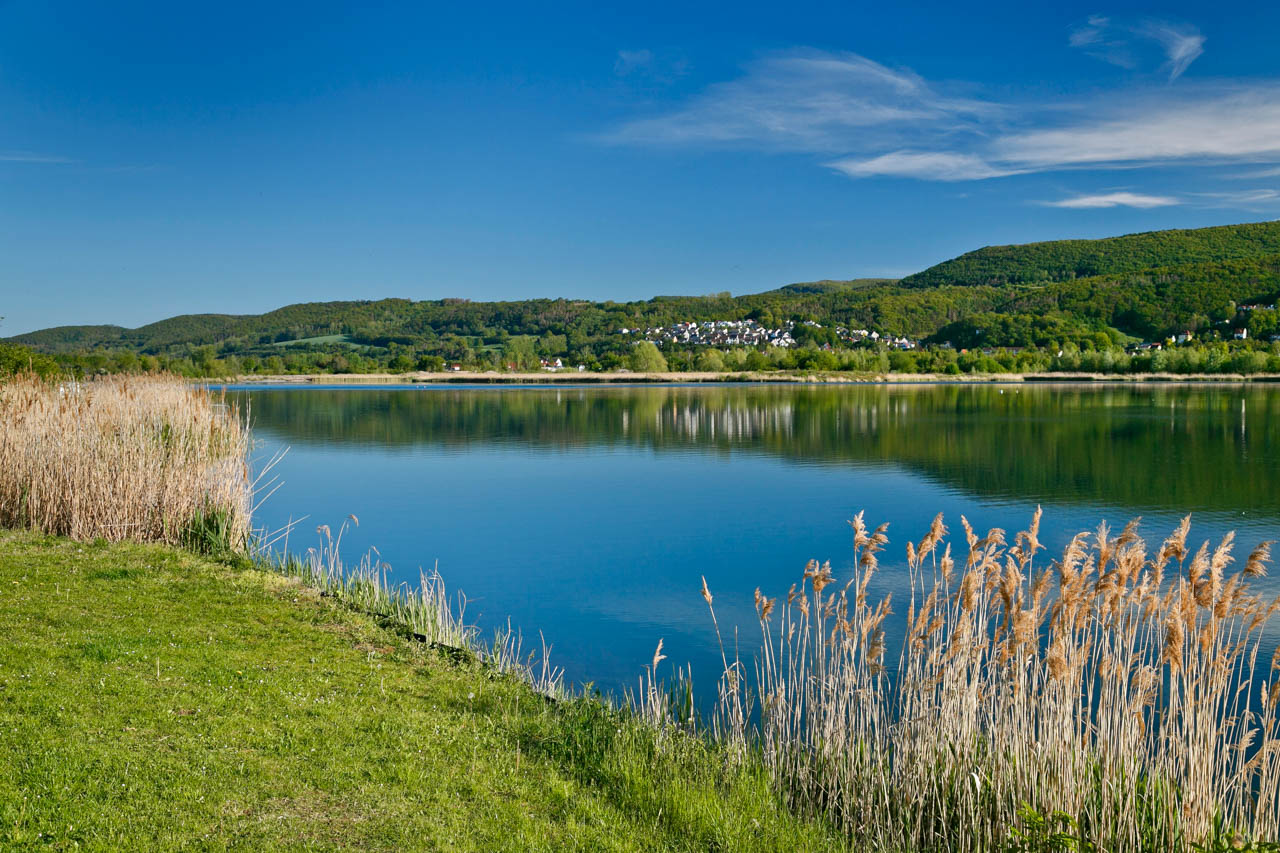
(406, 322)
(1062, 260)
(1095, 293)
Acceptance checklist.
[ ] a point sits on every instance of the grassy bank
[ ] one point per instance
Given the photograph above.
(154, 699)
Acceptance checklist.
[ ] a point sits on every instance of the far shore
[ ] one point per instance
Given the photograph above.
(569, 377)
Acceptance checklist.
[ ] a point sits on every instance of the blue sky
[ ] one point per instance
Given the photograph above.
(158, 159)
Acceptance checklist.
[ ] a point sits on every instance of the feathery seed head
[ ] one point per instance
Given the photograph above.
(1256, 564)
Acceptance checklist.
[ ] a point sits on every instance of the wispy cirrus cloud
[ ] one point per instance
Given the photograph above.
(1098, 39)
(928, 165)
(1269, 172)
(884, 121)
(632, 60)
(1115, 199)
(1126, 44)
(809, 101)
(1182, 44)
(648, 66)
(1255, 199)
(867, 120)
(1213, 124)
(30, 157)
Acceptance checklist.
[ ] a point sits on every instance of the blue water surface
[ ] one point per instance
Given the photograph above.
(589, 516)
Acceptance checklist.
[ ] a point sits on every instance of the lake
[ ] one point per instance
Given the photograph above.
(591, 514)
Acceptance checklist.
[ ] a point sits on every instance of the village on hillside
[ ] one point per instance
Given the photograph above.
(750, 333)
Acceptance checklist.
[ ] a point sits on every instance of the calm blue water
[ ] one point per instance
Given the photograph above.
(591, 514)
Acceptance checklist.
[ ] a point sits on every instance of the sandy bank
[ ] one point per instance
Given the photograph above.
(566, 377)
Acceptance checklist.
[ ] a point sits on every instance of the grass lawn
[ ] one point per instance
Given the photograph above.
(152, 699)
(318, 339)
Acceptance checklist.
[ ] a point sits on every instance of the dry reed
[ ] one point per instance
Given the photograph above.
(1115, 701)
(151, 459)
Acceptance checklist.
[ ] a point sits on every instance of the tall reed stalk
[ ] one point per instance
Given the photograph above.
(151, 459)
(1113, 701)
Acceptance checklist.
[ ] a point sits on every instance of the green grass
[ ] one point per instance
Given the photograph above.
(318, 339)
(154, 699)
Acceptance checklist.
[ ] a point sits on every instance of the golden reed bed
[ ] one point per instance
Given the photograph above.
(1115, 700)
(146, 458)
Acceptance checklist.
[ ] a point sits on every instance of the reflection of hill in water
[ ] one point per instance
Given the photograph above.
(1174, 447)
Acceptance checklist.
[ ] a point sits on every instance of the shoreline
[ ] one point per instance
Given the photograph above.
(562, 378)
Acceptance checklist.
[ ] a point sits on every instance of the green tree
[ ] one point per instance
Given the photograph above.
(16, 359)
(710, 360)
(430, 363)
(646, 358)
(519, 350)
(551, 345)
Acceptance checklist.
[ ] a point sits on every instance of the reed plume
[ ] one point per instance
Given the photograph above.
(1110, 701)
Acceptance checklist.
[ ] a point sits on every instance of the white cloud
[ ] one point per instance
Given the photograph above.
(1091, 33)
(1182, 44)
(1209, 124)
(1117, 199)
(1101, 40)
(1242, 199)
(631, 60)
(931, 165)
(1125, 44)
(864, 119)
(1198, 126)
(1272, 172)
(810, 101)
(28, 157)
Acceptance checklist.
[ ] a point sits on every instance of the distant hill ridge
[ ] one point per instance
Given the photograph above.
(1060, 260)
(1139, 285)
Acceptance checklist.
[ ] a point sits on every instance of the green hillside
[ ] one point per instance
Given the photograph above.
(1150, 304)
(829, 286)
(1091, 293)
(406, 322)
(1061, 260)
(68, 338)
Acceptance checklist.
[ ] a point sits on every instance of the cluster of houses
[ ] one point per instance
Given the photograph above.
(1186, 337)
(891, 341)
(725, 333)
(554, 364)
(717, 333)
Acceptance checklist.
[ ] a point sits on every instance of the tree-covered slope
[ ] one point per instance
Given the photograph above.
(1142, 285)
(406, 322)
(1061, 260)
(66, 338)
(829, 286)
(1150, 304)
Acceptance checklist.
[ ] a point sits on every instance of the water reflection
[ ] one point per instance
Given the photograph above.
(592, 514)
(1181, 448)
